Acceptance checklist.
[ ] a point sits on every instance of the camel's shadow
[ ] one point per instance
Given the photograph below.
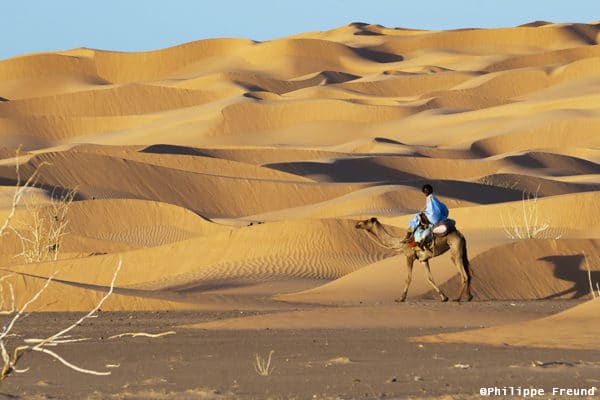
(572, 268)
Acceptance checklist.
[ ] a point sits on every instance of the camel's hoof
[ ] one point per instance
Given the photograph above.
(402, 300)
(444, 299)
(470, 297)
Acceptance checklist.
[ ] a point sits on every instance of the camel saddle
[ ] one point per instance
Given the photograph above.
(444, 227)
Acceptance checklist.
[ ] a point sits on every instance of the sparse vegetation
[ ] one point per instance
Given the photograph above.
(529, 225)
(39, 240)
(43, 228)
(262, 366)
(11, 304)
(589, 271)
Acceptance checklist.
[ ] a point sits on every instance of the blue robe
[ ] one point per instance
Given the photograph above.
(435, 210)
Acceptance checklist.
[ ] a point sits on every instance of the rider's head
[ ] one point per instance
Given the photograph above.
(427, 189)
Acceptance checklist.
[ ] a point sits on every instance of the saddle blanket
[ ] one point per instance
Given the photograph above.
(445, 227)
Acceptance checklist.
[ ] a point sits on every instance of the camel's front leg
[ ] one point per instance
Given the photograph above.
(425, 263)
(409, 268)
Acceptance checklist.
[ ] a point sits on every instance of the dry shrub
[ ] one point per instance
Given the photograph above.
(528, 224)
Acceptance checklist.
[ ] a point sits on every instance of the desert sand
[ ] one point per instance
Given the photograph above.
(228, 175)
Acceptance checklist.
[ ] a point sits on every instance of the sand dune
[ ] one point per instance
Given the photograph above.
(8, 153)
(118, 100)
(167, 223)
(571, 329)
(68, 297)
(406, 84)
(127, 225)
(524, 270)
(211, 257)
(201, 189)
(192, 159)
(126, 67)
(285, 114)
(230, 173)
(547, 58)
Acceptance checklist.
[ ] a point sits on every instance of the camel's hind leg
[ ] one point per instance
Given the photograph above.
(463, 284)
(459, 258)
(429, 277)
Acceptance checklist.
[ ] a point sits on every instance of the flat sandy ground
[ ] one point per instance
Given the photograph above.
(307, 363)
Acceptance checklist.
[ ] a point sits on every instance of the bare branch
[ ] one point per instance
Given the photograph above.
(68, 364)
(142, 334)
(56, 342)
(60, 338)
(9, 325)
(89, 314)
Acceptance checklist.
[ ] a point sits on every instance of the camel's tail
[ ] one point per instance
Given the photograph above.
(465, 259)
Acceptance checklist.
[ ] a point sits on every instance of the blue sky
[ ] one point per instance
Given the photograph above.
(136, 25)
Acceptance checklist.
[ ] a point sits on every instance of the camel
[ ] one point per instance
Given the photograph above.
(453, 241)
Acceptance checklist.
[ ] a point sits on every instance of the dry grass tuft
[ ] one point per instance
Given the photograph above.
(262, 366)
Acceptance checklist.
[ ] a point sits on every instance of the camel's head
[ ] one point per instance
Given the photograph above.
(367, 224)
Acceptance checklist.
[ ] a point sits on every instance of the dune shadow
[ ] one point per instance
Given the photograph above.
(174, 149)
(534, 24)
(367, 169)
(564, 165)
(149, 294)
(387, 141)
(210, 286)
(367, 33)
(584, 34)
(470, 191)
(571, 268)
(346, 170)
(364, 29)
(378, 56)
(337, 76)
(252, 95)
(54, 192)
(60, 193)
(250, 86)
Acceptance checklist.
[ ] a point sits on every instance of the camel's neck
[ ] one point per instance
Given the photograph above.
(385, 239)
